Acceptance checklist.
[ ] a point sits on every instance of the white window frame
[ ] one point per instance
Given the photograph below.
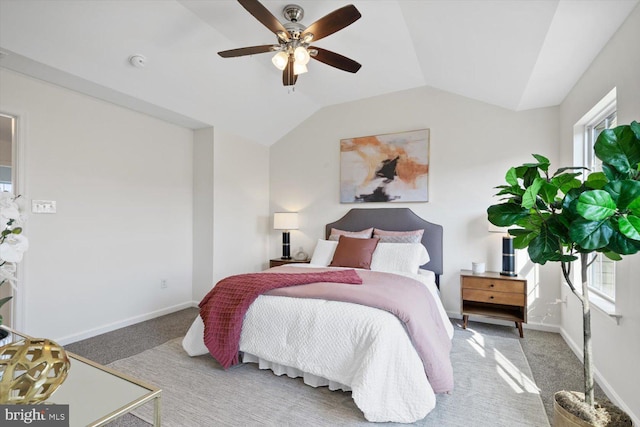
(582, 156)
(596, 281)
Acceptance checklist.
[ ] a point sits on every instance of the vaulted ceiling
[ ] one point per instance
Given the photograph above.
(517, 54)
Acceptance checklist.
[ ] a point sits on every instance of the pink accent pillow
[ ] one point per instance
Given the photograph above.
(354, 252)
(398, 236)
(364, 234)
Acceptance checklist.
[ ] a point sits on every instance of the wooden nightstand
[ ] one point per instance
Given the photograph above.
(493, 295)
(275, 262)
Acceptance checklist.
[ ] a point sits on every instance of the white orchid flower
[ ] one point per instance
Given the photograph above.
(13, 247)
(8, 273)
(6, 198)
(9, 210)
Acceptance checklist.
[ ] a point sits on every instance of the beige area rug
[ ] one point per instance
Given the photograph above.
(493, 387)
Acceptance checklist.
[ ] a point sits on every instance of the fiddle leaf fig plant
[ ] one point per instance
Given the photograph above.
(560, 218)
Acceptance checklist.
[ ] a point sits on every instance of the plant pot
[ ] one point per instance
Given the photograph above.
(568, 404)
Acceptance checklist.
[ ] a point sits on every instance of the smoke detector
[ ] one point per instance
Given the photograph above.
(138, 61)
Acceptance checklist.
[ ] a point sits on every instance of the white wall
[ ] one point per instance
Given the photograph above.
(202, 212)
(231, 207)
(123, 186)
(616, 348)
(472, 146)
(241, 207)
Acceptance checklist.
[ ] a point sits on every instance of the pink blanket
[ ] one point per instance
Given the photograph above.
(407, 299)
(223, 308)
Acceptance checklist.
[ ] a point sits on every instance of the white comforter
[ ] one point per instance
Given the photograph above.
(365, 349)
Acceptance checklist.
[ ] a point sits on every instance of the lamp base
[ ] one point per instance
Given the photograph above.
(286, 257)
(508, 273)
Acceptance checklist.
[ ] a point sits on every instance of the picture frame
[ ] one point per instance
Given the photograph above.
(385, 168)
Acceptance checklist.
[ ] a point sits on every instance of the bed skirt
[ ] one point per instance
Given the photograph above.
(279, 370)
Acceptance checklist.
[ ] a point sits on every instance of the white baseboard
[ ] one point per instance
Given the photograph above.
(532, 325)
(602, 382)
(124, 323)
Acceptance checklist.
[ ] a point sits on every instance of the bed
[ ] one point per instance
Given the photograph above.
(348, 346)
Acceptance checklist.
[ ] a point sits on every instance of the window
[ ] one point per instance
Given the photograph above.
(602, 273)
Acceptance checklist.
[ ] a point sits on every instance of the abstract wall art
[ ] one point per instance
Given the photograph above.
(385, 168)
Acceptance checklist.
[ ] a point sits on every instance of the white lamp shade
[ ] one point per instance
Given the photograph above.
(299, 68)
(496, 229)
(285, 221)
(301, 55)
(280, 60)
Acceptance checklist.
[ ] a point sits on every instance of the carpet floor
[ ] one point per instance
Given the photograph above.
(553, 365)
(493, 385)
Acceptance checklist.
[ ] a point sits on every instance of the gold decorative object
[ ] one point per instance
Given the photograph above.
(31, 370)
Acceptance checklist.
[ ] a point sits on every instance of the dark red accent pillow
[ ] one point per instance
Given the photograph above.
(354, 253)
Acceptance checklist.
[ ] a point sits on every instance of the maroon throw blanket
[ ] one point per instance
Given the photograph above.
(223, 308)
(406, 298)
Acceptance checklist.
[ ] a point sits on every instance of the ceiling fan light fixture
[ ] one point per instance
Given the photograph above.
(301, 55)
(299, 68)
(280, 60)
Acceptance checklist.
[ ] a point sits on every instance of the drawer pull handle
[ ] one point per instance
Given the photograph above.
(491, 297)
(491, 285)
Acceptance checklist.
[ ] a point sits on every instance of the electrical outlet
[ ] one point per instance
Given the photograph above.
(163, 284)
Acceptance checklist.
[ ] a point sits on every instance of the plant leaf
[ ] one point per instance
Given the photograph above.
(522, 237)
(531, 193)
(514, 190)
(543, 162)
(624, 193)
(596, 180)
(512, 177)
(612, 256)
(4, 300)
(570, 168)
(634, 206)
(566, 181)
(543, 247)
(548, 192)
(635, 128)
(630, 226)
(591, 235)
(506, 214)
(621, 245)
(596, 205)
(619, 147)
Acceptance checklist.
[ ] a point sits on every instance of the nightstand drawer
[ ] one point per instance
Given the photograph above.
(493, 284)
(276, 262)
(493, 297)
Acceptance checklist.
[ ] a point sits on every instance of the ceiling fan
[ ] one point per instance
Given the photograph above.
(293, 48)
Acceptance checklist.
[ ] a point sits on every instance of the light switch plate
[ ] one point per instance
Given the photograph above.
(43, 206)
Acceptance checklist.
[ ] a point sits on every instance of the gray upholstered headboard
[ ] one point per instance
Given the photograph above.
(396, 219)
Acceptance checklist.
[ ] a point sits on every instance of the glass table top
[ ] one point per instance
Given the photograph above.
(96, 394)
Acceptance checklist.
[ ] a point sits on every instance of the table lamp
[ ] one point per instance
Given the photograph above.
(285, 221)
(508, 252)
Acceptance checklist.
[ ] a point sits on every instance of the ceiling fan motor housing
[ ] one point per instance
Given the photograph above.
(293, 13)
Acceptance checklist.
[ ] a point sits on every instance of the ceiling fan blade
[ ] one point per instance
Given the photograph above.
(335, 21)
(251, 50)
(288, 76)
(263, 15)
(336, 60)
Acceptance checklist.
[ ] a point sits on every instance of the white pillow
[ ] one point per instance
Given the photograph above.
(323, 253)
(399, 257)
(364, 234)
